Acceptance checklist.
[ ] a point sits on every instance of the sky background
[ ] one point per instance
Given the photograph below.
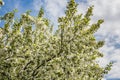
(109, 10)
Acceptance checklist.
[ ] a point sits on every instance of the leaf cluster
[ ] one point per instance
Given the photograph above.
(29, 50)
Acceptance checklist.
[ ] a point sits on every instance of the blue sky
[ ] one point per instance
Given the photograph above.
(109, 10)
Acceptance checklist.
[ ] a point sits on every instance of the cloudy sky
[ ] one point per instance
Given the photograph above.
(109, 10)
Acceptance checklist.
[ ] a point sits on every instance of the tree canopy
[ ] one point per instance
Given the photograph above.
(1, 3)
(31, 50)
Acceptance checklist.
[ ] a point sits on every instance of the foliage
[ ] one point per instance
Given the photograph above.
(1, 3)
(31, 50)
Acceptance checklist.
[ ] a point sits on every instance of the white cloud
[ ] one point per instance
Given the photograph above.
(115, 72)
(37, 4)
(109, 31)
(109, 10)
(103, 79)
(53, 9)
